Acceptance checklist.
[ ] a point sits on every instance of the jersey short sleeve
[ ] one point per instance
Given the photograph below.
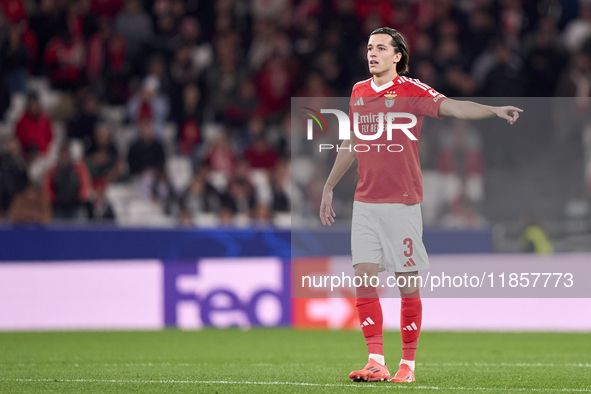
(426, 100)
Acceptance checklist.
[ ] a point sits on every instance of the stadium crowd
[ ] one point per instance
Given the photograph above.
(182, 107)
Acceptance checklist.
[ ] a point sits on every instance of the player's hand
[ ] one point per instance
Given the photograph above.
(509, 113)
(326, 212)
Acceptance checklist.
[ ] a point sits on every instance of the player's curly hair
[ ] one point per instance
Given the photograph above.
(400, 46)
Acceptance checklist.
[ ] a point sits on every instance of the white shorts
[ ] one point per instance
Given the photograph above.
(390, 235)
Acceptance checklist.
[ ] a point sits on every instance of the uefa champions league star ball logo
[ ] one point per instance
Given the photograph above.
(389, 99)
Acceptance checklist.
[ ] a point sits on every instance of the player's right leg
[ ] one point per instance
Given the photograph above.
(369, 311)
(367, 256)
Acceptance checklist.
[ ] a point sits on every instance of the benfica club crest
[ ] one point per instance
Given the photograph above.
(389, 99)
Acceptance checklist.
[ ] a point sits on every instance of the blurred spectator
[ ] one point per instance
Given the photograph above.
(481, 24)
(260, 155)
(575, 81)
(34, 129)
(200, 197)
(533, 238)
(308, 40)
(223, 77)
(83, 123)
(68, 185)
(101, 208)
(240, 198)
(263, 214)
(135, 25)
(30, 206)
(149, 104)
(101, 155)
(315, 87)
(506, 79)
(200, 49)
(240, 195)
(460, 150)
(13, 173)
(281, 185)
(426, 71)
(242, 107)
(182, 69)
(105, 62)
(189, 137)
(15, 59)
(543, 65)
(14, 10)
(80, 13)
(106, 8)
(462, 214)
(269, 9)
(512, 21)
(187, 119)
(156, 71)
(578, 30)
(274, 85)
(165, 38)
(226, 217)
(331, 72)
(163, 192)
(267, 42)
(64, 61)
(458, 83)
(47, 23)
(146, 153)
(185, 219)
(448, 55)
(220, 157)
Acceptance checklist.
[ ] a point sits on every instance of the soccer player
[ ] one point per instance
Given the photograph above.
(387, 230)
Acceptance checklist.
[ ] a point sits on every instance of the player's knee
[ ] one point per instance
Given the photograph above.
(408, 282)
(366, 270)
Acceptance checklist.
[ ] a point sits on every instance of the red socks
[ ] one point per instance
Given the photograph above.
(411, 313)
(369, 311)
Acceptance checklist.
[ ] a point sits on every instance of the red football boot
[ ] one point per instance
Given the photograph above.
(373, 372)
(404, 375)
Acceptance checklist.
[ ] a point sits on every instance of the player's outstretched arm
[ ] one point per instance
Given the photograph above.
(342, 163)
(472, 110)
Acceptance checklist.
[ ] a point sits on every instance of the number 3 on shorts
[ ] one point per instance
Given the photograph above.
(408, 243)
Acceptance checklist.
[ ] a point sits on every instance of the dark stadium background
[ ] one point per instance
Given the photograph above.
(146, 167)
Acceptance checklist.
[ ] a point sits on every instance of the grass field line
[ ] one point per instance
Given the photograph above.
(159, 364)
(357, 385)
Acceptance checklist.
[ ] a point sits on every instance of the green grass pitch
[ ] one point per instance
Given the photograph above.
(284, 360)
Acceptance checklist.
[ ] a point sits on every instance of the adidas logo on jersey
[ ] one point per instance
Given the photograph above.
(367, 322)
(412, 327)
(359, 102)
(410, 263)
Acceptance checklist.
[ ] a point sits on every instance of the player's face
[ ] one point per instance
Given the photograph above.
(381, 55)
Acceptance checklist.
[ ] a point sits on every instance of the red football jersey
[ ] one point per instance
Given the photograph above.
(389, 167)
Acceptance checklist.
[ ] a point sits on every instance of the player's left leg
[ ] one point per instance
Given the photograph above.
(411, 313)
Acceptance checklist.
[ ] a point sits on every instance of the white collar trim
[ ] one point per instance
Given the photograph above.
(380, 88)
